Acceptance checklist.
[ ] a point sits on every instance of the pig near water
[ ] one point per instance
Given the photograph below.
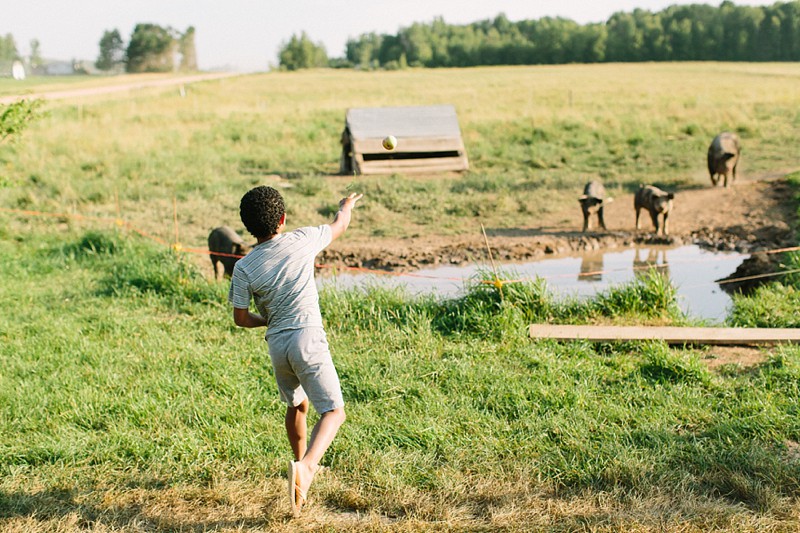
(657, 202)
(592, 201)
(723, 156)
(226, 241)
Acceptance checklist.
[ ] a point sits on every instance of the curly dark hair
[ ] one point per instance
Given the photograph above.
(261, 210)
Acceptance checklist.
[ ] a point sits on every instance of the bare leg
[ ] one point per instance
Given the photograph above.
(321, 437)
(296, 428)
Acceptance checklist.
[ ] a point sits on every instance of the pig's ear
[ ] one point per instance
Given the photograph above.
(582, 198)
(670, 196)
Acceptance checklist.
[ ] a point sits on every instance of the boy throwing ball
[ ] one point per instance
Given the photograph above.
(278, 274)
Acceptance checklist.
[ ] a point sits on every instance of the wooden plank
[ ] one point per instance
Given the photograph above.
(413, 165)
(410, 144)
(410, 163)
(669, 334)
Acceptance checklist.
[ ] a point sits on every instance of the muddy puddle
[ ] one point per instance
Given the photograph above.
(693, 272)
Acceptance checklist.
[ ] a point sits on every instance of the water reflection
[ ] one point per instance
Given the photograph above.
(591, 267)
(692, 270)
(647, 260)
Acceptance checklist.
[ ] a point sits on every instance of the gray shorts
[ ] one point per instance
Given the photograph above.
(304, 368)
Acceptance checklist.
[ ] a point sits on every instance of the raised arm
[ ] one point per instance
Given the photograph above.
(342, 218)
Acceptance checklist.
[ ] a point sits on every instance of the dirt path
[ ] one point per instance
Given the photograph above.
(753, 215)
(117, 87)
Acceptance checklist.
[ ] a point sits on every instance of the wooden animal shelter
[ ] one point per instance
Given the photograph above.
(428, 140)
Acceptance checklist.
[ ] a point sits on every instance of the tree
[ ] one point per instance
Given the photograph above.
(365, 50)
(417, 44)
(768, 46)
(36, 54)
(588, 43)
(679, 38)
(188, 50)
(625, 40)
(391, 50)
(112, 51)
(654, 42)
(790, 31)
(739, 32)
(151, 49)
(301, 52)
(8, 48)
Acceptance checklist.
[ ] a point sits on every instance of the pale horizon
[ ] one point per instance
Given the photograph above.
(238, 35)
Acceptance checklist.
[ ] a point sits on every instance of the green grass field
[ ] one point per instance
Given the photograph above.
(130, 402)
(534, 136)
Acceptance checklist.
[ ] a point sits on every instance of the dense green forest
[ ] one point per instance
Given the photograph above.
(678, 33)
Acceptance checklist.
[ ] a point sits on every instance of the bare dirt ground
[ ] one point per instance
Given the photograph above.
(756, 214)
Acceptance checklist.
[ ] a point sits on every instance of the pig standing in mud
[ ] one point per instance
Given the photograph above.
(656, 201)
(723, 156)
(592, 201)
(226, 241)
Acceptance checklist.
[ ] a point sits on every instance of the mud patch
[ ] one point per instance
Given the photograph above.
(751, 216)
(752, 273)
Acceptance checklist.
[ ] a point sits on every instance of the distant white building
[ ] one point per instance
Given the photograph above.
(18, 70)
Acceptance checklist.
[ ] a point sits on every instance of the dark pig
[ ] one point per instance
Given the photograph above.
(723, 156)
(592, 201)
(226, 241)
(656, 201)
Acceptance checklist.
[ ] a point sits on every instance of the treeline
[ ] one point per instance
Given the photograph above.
(151, 48)
(9, 52)
(678, 33)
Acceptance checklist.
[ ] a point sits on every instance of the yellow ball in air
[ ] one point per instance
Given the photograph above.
(390, 142)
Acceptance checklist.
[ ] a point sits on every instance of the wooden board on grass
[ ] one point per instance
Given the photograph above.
(669, 334)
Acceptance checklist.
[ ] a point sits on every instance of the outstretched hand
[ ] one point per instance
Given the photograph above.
(342, 219)
(348, 202)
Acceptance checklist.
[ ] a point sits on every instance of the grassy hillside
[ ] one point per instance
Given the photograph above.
(534, 136)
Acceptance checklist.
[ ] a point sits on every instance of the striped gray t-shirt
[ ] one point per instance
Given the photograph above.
(279, 276)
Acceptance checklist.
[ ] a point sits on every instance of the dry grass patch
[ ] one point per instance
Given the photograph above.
(485, 505)
(743, 356)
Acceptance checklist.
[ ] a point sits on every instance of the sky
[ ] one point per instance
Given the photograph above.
(246, 35)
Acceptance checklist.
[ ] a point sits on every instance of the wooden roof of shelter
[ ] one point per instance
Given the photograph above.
(428, 140)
